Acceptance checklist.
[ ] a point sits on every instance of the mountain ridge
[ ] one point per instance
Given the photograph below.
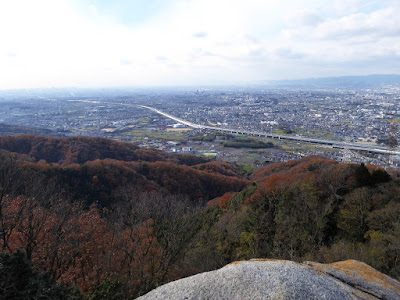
(348, 82)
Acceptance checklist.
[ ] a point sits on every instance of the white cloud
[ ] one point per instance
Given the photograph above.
(375, 25)
(353, 38)
(194, 41)
(347, 6)
(305, 17)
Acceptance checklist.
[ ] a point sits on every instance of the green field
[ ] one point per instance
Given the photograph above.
(139, 134)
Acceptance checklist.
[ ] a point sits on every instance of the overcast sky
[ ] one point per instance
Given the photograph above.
(91, 43)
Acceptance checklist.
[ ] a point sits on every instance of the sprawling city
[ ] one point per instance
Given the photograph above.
(349, 125)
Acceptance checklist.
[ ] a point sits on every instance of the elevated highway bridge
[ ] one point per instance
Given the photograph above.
(329, 143)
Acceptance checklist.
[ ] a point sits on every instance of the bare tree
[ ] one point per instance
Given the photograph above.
(10, 182)
(160, 227)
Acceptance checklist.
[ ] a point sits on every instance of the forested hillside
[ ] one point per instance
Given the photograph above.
(65, 151)
(127, 220)
(96, 170)
(6, 129)
(313, 209)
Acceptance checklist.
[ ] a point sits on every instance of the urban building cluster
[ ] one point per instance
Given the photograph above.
(360, 115)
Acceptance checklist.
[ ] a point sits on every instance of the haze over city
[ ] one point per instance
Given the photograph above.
(94, 43)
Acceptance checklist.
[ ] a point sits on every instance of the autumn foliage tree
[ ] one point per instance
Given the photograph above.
(309, 209)
(109, 227)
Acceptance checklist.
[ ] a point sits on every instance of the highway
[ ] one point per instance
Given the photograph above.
(329, 143)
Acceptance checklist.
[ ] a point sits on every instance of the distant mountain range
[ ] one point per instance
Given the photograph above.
(342, 82)
(347, 82)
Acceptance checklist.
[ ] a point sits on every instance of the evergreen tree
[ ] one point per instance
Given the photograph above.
(363, 177)
(18, 280)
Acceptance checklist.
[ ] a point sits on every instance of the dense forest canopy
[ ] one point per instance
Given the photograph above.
(65, 151)
(97, 219)
(97, 169)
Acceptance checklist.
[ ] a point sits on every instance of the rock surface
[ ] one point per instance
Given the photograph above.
(280, 279)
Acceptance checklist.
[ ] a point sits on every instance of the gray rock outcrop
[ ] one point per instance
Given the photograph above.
(279, 279)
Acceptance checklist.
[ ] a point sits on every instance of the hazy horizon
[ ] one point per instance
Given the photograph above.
(122, 43)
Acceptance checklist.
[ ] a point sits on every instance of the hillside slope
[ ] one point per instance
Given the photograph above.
(309, 209)
(97, 170)
(65, 151)
(123, 227)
